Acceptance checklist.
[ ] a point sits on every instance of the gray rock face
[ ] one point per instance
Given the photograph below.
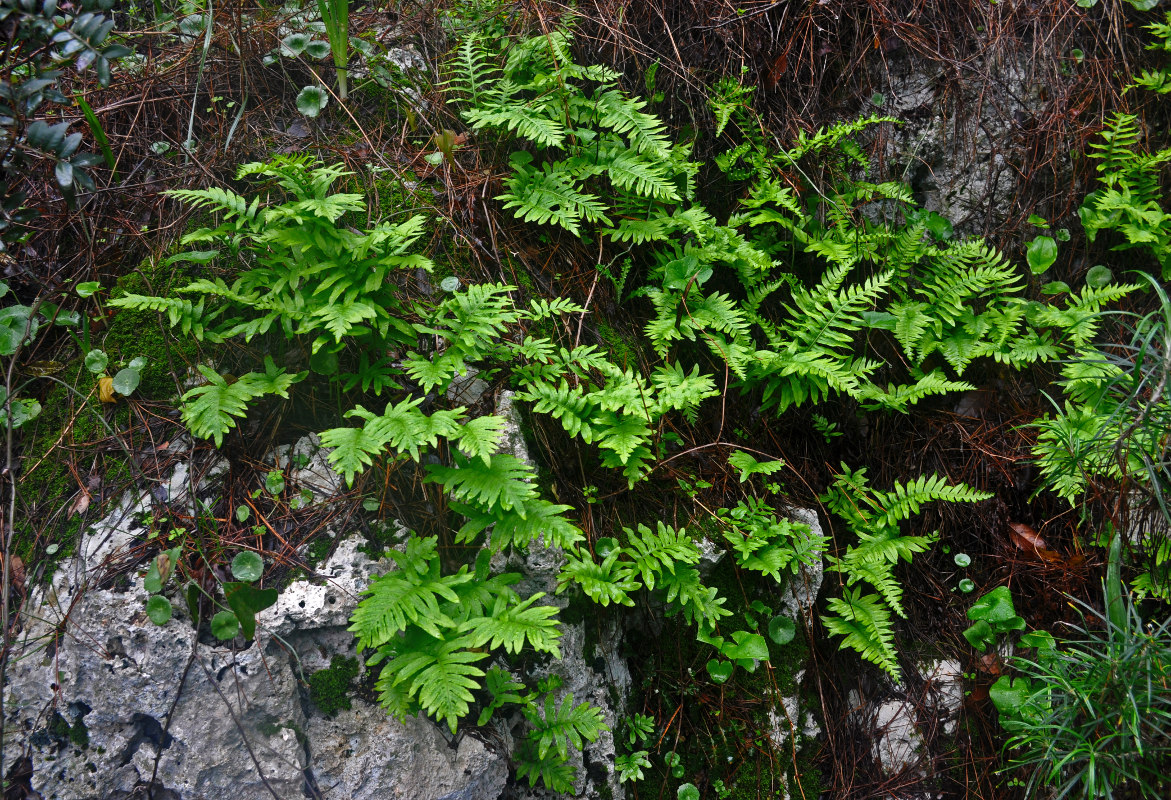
(958, 156)
(595, 673)
(105, 702)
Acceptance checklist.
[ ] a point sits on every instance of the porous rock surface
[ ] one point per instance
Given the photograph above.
(107, 704)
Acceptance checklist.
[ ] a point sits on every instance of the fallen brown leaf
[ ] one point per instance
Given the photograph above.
(1027, 539)
(106, 390)
(80, 504)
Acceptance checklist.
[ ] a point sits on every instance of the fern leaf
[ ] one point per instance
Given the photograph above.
(865, 623)
(604, 583)
(480, 437)
(654, 553)
(208, 410)
(441, 676)
(557, 727)
(504, 483)
(549, 196)
(511, 626)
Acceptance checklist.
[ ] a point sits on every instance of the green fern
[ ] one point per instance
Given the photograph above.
(208, 410)
(874, 516)
(864, 622)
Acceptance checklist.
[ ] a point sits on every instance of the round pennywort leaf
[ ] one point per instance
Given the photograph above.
(962, 560)
(126, 381)
(224, 626)
(688, 791)
(247, 567)
(158, 608)
(450, 284)
(967, 585)
(95, 361)
(312, 100)
(782, 630)
(317, 49)
(294, 44)
(1099, 276)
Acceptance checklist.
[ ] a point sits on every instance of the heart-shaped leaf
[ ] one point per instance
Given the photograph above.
(224, 626)
(158, 608)
(311, 100)
(980, 635)
(782, 630)
(1011, 696)
(719, 671)
(247, 567)
(246, 602)
(88, 288)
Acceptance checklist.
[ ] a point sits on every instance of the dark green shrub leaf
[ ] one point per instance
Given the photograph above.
(1041, 254)
(274, 482)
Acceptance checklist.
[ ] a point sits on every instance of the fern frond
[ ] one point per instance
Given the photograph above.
(653, 553)
(624, 115)
(511, 626)
(440, 674)
(504, 483)
(208, 410)
(903, 500)
(610, 581)
(547, 195)
(865, 623)
(557, 727)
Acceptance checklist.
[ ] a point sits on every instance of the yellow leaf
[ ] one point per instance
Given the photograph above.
(106, 390)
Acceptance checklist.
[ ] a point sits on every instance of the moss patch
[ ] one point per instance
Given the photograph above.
(329, 689)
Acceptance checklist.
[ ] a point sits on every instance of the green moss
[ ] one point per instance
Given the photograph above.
(77, 733)
(329, 689)
(139, 333)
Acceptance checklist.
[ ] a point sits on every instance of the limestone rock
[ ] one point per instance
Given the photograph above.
(106, 703)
